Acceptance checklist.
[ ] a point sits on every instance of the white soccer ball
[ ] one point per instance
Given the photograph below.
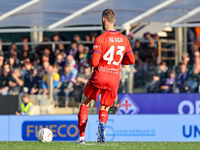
(44, 135)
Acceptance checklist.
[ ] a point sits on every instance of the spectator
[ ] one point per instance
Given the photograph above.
(145, 40)
(154, 85)
(56, 77)
(80, 83)
(130, 36)
(80, 54)
(49, 53)
(29, 75)
(156, 37)
(190, 39)
(56, 38)
(193, 80)
(86, 53)
(15, 83)
(15, 56)
(60, 62)
(36, 62)
(26, 107)
(186, 59)
(94, 35)
(26, 52)
(26, 60)
(61, 50)
(37, 86)
(13, 48)
(88, 39)
(137, 47)
(77, 38)
(138, 62)
(150, 54)
(65, 85)
(73, 49)
(196, 57)
(6, 68)
(159, 79)
(46, 65)
(4, 80)
(11, 62)
(45, 58)
(147, 36)
(181, 79)
(1, 64)
(192, 55)
(46, 38)
(163, 71)
(1, 48)
(167, 87)
(25, 39)
(72, 65)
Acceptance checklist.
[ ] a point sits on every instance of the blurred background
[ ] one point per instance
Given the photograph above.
(45, 52)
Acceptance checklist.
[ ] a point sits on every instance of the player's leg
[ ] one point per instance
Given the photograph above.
(90, 93)
(103, 117)
(82, 118)
(107, 100)
(103, 113)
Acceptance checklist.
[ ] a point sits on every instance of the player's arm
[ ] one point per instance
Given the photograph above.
(95, 59)
(97, 49)
(128, 59)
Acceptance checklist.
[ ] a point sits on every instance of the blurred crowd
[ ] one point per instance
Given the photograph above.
(165, 77)
(27, 70)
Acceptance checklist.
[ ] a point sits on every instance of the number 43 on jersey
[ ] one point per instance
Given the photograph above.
(111, 53)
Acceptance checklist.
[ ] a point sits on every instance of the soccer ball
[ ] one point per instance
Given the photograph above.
(44, 135)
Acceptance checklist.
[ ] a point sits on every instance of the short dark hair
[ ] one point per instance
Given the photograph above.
(73, 42)
(109, 14)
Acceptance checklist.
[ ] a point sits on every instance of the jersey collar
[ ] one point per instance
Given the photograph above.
(111, 30)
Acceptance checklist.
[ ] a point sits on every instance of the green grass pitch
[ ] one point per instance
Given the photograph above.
(96, 146)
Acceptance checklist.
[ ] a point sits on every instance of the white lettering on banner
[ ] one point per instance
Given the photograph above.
(186, 103)
(197, 103)
(191, 107)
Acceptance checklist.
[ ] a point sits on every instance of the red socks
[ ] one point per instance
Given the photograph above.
(103, 116)
(82, 119)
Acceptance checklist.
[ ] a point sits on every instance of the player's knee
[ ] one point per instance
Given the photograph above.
(103, 107)
(85, 100)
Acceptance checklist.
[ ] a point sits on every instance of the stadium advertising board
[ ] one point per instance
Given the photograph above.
(62, 130)
(148, 128)
(159, 103)
(25, 128)
(118, 127)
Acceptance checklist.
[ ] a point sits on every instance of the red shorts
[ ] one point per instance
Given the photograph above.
(107, 97)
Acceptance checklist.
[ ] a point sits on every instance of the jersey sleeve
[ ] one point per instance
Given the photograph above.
(97, 47)
(129, 56)
(128, 47)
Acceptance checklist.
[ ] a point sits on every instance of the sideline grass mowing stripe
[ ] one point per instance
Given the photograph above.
(28, 145)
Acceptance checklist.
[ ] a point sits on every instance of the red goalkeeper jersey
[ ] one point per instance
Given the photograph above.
(111, 47)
